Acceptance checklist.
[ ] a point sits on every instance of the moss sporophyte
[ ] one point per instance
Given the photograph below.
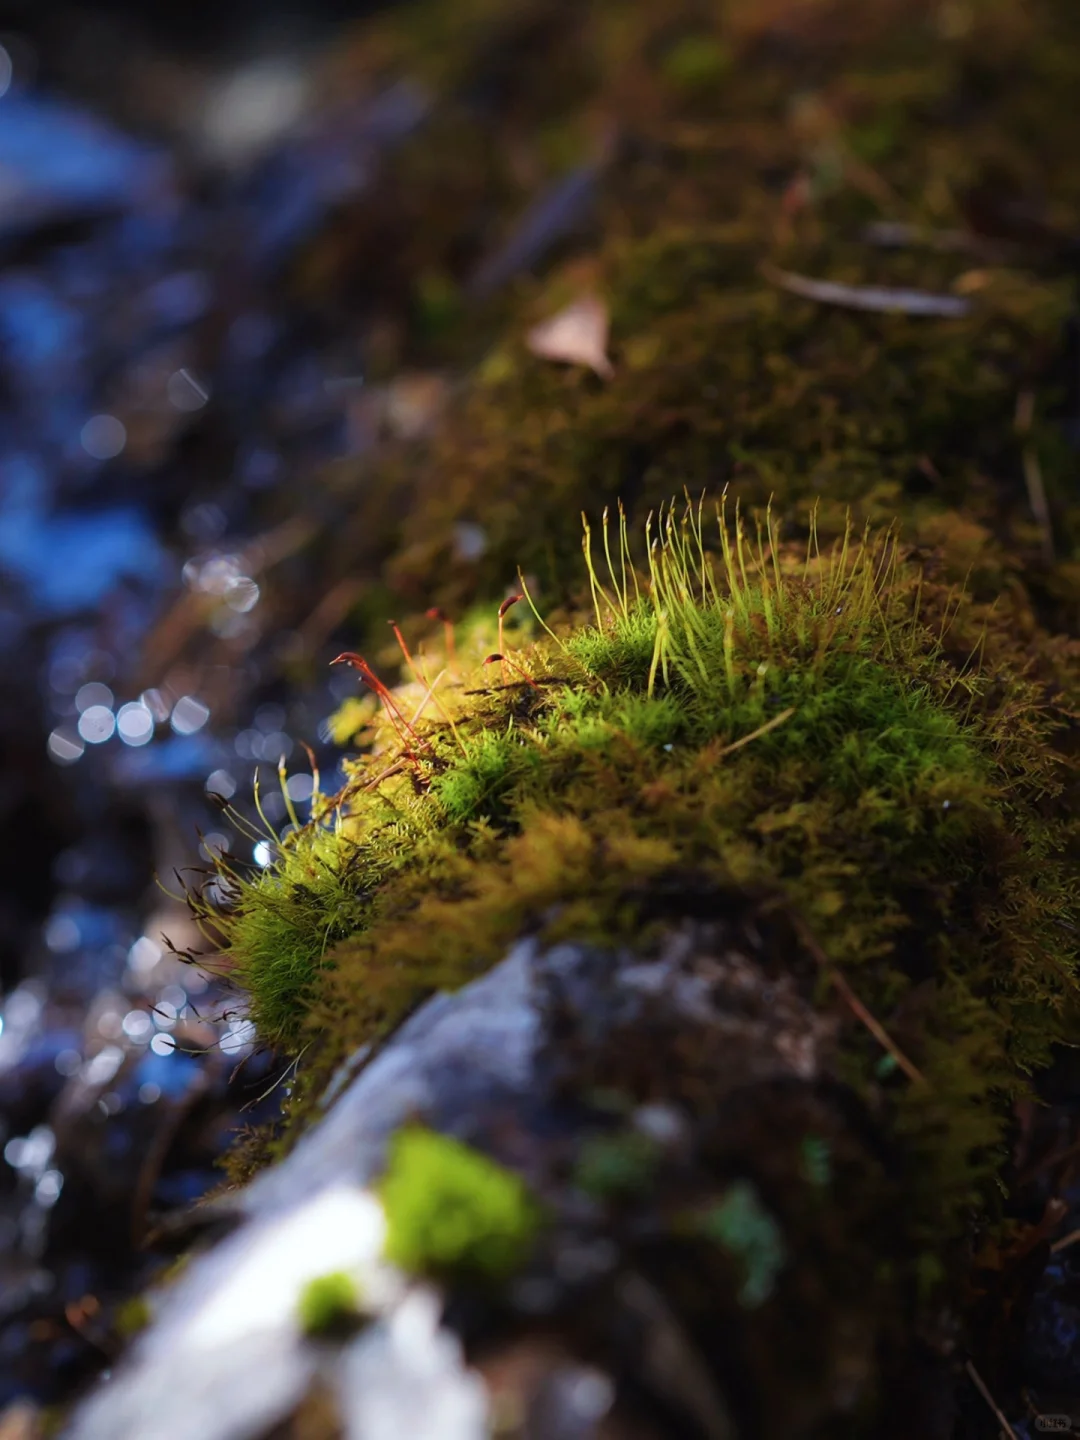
(831, 727)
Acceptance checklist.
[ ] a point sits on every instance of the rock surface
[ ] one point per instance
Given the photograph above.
(629, 1091)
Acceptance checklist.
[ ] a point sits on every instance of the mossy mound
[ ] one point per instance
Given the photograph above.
(837, 733)
(904, 146)
(721, 377)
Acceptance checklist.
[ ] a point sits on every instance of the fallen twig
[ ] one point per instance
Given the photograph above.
(877, 298)
(977, 1381)
(858, 1009)
(761, 730)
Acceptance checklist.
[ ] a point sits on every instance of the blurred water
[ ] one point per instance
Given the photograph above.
(157, 392)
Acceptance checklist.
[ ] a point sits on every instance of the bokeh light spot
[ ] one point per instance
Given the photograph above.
(144, 955)
(242, 594)
(103, 437)
(93, 694)
(96, 724)
(300, 787)
(221, 783)
(185, 392)
(189, 715)
(64, 746)
(62, 934)
(134, 723)
(138, 1026)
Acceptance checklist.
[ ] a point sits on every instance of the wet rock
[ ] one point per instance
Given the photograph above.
(406, 1376)
(57, 163)
(682, 1050)
(1052, 1338)
(456, 1057)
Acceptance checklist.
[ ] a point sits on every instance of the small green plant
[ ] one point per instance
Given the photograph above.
(614, 1166)
(450, 1209)
(132, 1316)
(328, 1302)
(696, 63)
(742, 1226)
(816, 1161)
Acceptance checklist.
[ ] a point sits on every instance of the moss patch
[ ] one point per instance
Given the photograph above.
(450, 1210)
(740, 1225)
(328, 1303)
(832, 729)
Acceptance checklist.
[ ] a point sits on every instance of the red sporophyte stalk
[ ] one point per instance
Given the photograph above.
(404, 730)
(448, 630)
(420, 675)
(498, 659)
(507, 604)
(404, 650)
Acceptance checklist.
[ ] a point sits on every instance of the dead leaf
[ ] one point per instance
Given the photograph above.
(577, 335)
(867, 297)
(21, 1420)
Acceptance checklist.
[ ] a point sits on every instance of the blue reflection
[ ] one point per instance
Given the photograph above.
(57, 160)
(70, 561)
(171, 1073)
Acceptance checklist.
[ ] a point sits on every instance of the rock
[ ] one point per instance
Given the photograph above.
(407, 1376)
(518, 1064)
(459, 1054)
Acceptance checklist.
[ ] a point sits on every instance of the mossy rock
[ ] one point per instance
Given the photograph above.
(942, 122)
(857, 728)
(835, 730)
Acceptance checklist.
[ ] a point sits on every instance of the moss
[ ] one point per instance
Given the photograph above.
(831, 728)
(328, 1302)
(721, 377)
(696, 62)
(450, 1210)
(132, 1316)
(816, 1164)
(610, 1166)
(306, 901)
(868, 732)
(745, 1229)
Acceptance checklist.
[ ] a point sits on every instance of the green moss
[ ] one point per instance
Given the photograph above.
(476, 784)
(289, 917)
(438, 303)
(874, 741)
(831, 728)
(744, 1228)
(132, 1316)
(327, 1302)
(696, 62)
(816, 1161)
(720, 377)
(451, 1210)
(610, 1166)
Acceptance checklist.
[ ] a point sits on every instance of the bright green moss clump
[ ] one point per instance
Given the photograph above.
(307, 902)
(328, 1301)
(833, 730)
(740, 1225)
(450, 1209)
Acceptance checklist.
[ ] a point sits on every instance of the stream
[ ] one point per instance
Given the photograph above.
(158, 398)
